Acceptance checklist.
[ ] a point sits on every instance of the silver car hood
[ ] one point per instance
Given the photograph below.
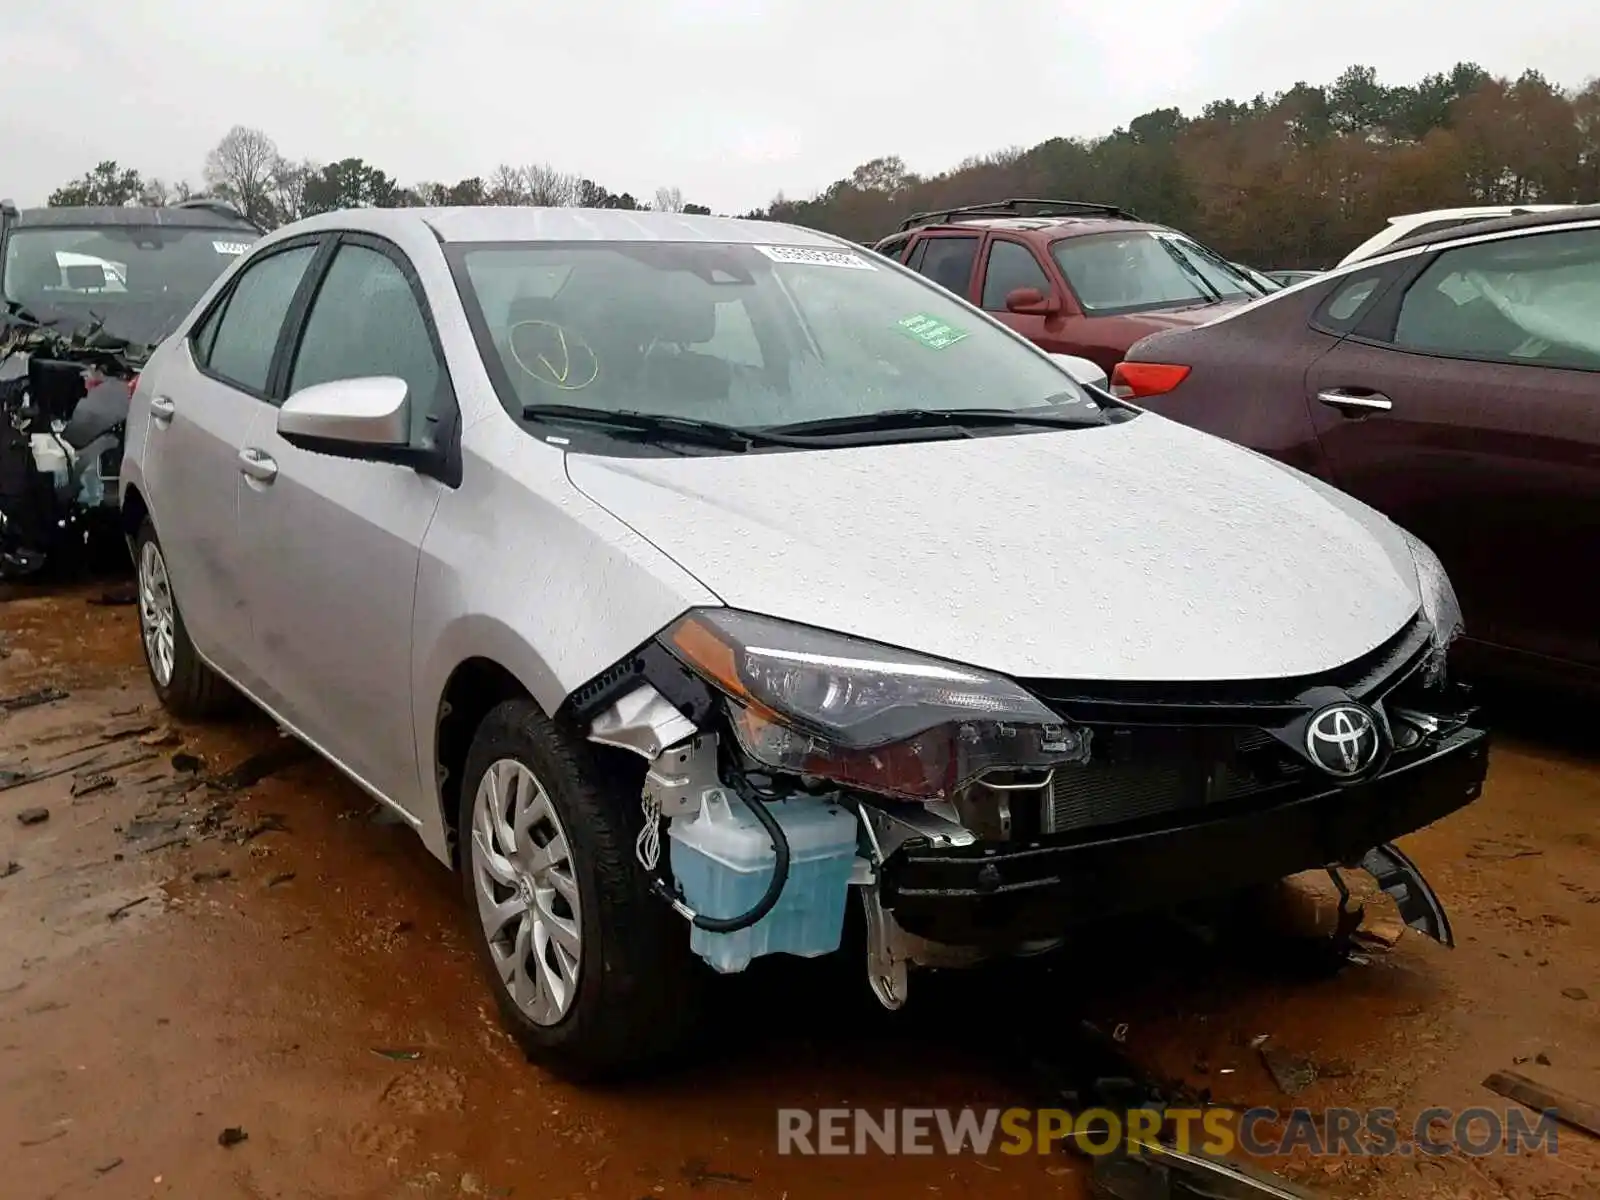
(1139, 551)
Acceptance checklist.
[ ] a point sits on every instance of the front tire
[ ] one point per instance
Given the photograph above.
(593, 975)
(186, 687)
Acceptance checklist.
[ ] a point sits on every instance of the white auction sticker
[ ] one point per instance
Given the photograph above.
(816, 258)
(230, 247)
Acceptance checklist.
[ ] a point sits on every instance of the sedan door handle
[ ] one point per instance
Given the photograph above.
(258, 464)
(1355, 403)
(162, 409)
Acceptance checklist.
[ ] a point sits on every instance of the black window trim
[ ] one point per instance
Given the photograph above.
(895, 246)
(1390, 274)
(445, 407)
(987, 251)
(219, 305)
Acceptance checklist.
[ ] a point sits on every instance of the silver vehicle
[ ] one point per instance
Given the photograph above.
(694, 586)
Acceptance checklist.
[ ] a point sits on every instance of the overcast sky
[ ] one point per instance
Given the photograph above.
(730, 100)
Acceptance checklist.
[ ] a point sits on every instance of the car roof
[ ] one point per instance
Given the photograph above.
(497, 223)
(1525, 220)
(192, 215)
(1472, 210)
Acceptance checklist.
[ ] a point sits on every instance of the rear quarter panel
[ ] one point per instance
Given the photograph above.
(1247, 377)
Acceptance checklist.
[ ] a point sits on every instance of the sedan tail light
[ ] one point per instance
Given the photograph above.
(1135, 380)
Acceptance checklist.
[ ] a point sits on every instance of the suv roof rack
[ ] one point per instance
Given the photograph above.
(1014, 207)
(210, 204)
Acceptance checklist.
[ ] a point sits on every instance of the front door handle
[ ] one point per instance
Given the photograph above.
(1355, 403)
(162, 410)
(258, 464)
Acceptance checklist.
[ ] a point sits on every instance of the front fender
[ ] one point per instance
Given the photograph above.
(523, 570)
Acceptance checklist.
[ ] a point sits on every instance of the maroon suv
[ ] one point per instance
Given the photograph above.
(1071, 277)
(1453, 384)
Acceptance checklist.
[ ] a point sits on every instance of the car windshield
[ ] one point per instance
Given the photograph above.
(1116, 273)
(745, 335)
(139, 280)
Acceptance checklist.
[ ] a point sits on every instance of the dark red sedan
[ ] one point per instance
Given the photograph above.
(1454, 385)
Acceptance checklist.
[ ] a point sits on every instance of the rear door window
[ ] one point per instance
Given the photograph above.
(242, 346)
(948, 262)
(1523, 300)
(1352, 297)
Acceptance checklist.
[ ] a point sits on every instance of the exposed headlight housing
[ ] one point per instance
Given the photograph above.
(1439, 603)
(808, 702)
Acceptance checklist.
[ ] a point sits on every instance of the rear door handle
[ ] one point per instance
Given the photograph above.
(1354, 403)
(162, 409)
(258, 464)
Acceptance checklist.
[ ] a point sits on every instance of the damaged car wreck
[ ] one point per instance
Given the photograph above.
(696, 586)
(87, 292)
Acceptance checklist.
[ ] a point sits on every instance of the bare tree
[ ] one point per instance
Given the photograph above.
(288, 189)
(241, 169)
(430, 194)
(546, 186)
(669, 199)
(506, 186)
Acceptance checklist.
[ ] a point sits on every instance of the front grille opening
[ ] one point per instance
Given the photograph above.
(1144, 774)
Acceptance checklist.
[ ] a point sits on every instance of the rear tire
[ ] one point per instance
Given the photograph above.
(186, 687)
(592, 974)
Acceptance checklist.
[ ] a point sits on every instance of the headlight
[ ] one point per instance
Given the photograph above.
(1439, 603)
(809, 702)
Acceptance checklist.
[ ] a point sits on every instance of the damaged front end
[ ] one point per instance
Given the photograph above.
(980, 816)
(63, 414)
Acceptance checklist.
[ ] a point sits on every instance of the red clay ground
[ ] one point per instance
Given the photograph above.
(321, 996)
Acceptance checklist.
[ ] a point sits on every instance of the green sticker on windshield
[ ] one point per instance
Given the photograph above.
(930, 331)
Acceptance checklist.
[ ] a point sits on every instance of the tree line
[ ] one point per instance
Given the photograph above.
(247, 170)
(1294, 179)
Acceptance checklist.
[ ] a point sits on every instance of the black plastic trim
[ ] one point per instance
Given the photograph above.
(1267, 703)
(1040, 889)
(651, 663)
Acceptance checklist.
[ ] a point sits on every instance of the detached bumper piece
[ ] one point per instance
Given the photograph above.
(1033, 889)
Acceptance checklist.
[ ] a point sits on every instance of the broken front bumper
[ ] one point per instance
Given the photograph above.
(971, 894)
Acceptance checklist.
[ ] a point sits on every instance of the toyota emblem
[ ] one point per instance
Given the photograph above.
(1343, 740)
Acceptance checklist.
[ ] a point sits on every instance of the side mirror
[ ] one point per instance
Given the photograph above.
(349, 416)
(1031, 302)
(1083, 370)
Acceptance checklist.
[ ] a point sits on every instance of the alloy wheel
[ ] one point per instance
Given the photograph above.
(527, 893)
(157, 613)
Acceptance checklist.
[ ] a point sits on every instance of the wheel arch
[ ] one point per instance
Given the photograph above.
(472, 690)
(134, 511)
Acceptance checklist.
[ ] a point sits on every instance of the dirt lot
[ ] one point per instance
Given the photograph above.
(179, 959)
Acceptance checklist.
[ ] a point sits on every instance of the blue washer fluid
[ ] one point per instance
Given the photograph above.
(723, 860)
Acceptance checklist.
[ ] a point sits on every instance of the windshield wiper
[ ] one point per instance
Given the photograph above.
(657, 425)
(1213, 296)
(932, 418)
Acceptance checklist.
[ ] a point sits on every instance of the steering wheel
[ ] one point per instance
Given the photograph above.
(561, 358)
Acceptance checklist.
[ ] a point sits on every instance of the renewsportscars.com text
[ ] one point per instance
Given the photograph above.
(1258, 1132)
